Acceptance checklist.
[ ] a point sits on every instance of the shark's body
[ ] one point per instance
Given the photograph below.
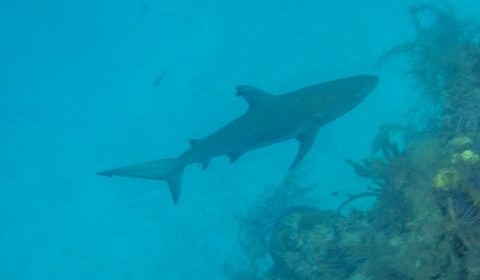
(270, 119)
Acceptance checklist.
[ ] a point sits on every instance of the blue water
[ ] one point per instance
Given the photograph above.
(77, 96)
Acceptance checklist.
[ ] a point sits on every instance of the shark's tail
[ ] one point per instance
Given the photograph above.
(169, 170)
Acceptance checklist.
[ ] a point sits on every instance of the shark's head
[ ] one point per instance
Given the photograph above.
(365, 84)
(352, 90)
(340, 96)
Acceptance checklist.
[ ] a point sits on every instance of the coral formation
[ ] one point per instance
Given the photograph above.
(446, 178)
(425, 221)
(305, 244)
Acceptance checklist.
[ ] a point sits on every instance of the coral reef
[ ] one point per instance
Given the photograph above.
(425, 221)
(305, 245)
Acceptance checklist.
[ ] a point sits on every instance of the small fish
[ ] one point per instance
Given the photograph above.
(335, 193)
(158, 80)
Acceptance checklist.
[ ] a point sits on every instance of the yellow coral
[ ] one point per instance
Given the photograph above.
(470, 157)
(446, 178)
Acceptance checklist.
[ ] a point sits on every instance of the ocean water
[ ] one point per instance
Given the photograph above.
(91, 85)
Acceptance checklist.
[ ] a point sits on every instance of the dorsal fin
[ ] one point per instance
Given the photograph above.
(255, 97)
(193, 142)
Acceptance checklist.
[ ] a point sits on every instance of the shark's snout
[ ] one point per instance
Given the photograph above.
(367, 83)
(371, 82)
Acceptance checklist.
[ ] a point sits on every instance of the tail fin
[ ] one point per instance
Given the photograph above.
(169, 170)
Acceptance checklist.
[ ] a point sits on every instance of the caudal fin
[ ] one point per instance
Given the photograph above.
(169, 170)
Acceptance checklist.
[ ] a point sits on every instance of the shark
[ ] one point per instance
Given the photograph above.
(269, 119)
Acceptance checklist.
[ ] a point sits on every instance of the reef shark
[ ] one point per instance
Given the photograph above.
(270, 119)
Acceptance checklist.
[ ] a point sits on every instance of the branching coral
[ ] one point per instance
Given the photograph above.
(390, 168)
(391, 171)
(445, 65)
(256, 225)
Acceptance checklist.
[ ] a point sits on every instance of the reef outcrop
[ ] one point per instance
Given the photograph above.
(425, 221)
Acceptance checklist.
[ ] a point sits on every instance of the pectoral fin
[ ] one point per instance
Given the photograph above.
(234, 157)
(306, 139)
(205, 164)
(319, 119)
